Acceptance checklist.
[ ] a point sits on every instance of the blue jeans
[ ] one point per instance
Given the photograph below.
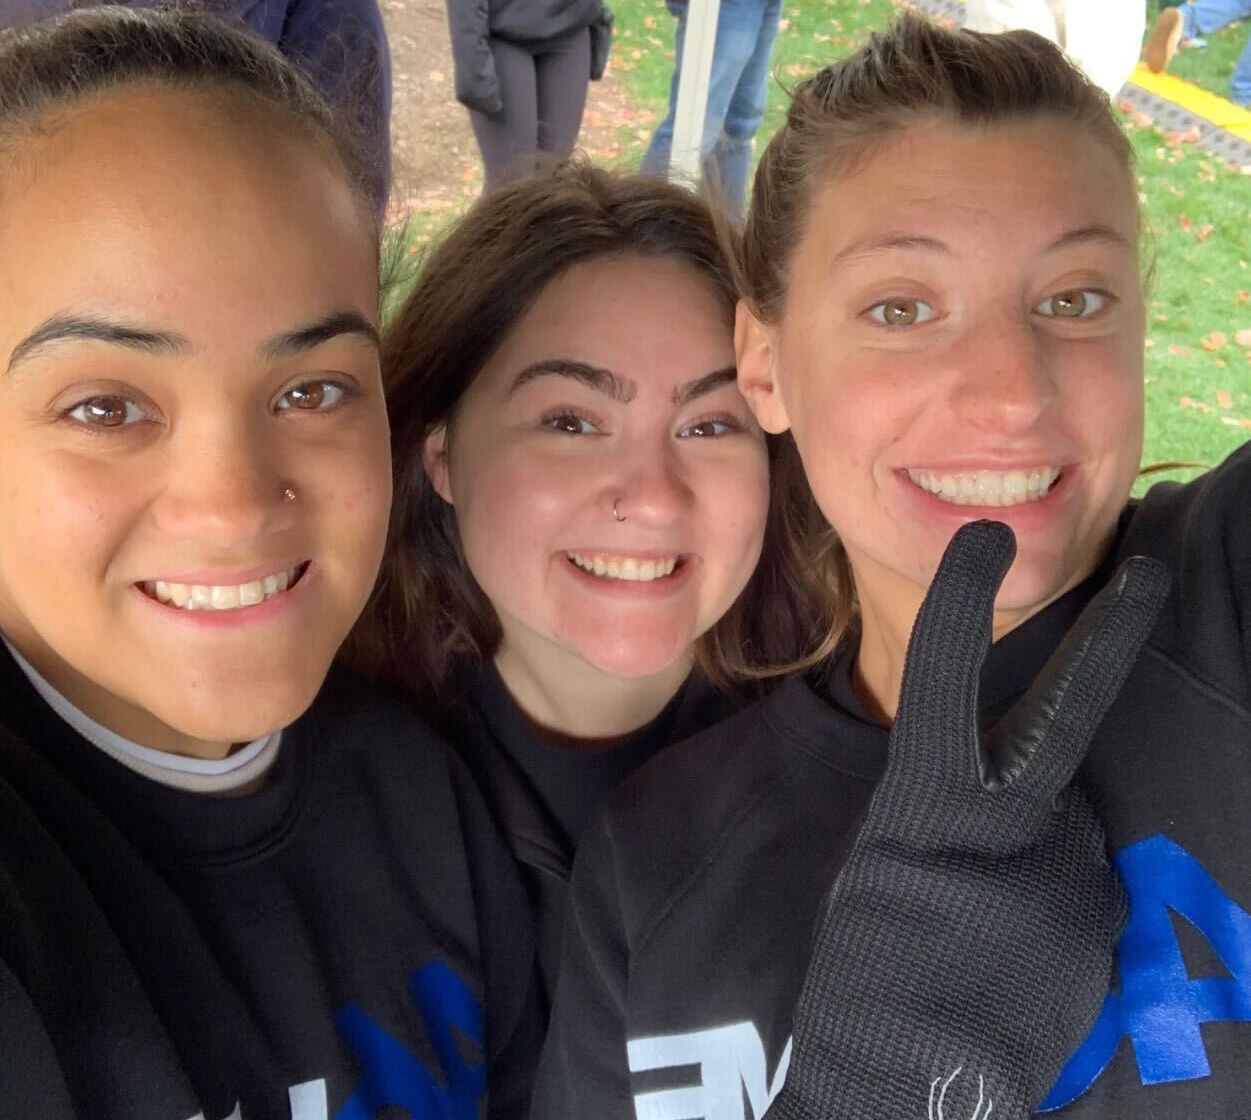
(738, 91)
(1202, 17)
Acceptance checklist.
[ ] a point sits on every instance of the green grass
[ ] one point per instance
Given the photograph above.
(1212, 66)
(1197, 397)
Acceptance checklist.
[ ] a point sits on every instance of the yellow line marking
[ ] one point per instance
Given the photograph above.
(1211, 107)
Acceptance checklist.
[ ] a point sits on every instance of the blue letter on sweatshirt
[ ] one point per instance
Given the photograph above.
(395, 1077)
(1160, 1008)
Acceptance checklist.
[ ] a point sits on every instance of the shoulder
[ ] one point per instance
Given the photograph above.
(1201, 531)
(734, 786)
(366, 729)
(1177, 520)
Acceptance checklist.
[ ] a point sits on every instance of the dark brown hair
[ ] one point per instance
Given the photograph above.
(428, 613)
(54, 65)
(911, 74)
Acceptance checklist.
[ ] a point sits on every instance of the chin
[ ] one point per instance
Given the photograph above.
(635, 660)
(1031, 584)
(239, 715)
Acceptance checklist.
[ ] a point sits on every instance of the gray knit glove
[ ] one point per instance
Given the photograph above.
(965, 947)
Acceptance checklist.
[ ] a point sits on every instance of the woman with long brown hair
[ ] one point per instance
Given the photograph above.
(581, 497)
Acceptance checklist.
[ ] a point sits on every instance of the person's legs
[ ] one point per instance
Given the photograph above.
(1188, 21)
(1206, 16)
(1240, 87)
(731, 157)
(656, 158)
(508, 139)
(738, 28)
(562, 74)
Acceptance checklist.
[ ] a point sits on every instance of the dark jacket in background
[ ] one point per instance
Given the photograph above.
(528, 23)
(340, 44)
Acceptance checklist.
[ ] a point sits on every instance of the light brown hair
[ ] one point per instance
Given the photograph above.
(913, 73)
(428, 612)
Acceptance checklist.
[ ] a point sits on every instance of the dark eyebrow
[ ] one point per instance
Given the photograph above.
(620, 389)
(870, 246)
(73, 328)
(710, 382)
(1087, 235)
(309, 337)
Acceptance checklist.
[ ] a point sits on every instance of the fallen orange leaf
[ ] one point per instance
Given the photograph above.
(1214, 341)
(1243, 297)
(1178, 351)
(1224, 398)
(1185, 223)
(1204, 232)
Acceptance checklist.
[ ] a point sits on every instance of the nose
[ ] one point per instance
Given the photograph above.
(1003, 383)
(649, 490)
(224, 487)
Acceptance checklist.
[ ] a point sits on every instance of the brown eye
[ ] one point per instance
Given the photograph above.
(106, 412)
(900, 312)
(1069, 305)
(313, 396)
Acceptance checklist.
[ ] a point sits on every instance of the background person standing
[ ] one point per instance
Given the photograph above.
(738, 93)
(340, 44)
(522, 69)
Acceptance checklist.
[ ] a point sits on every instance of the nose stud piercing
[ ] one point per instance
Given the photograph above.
(615, 514)
(288, 495)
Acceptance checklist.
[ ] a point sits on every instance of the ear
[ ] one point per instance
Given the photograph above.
(434, 462)
(755, 349)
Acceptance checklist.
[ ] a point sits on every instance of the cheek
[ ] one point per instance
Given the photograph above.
(739, 505)
(510, 512)
(67, 509)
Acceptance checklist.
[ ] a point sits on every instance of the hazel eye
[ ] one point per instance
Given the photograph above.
(901, 312)
(1077, 303)
(313, 396)
(112, 411)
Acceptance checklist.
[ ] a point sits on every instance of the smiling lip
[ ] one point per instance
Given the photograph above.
(631, 581)
(221, 592)
(986, 488)
(636, 569)
(1039, 514)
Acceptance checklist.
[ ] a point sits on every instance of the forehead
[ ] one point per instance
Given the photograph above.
(626, 305)
(157, 204)
(651, 319)
(1003, 186)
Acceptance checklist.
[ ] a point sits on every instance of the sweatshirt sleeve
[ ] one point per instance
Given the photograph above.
(30, 1076)
(477, 85)
(583, 1069)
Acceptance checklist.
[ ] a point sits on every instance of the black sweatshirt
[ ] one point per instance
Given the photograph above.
(694, 899)
(350, 935)
(544, 795)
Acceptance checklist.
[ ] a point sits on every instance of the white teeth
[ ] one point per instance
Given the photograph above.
(624, 567)
(988, 488)
(203, 597)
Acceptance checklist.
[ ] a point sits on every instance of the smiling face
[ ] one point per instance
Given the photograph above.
(616, 390)
(186, 318)
(963, 339)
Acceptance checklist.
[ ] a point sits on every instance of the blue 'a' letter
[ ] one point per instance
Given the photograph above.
(1160, 1008)
(393, 1076)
